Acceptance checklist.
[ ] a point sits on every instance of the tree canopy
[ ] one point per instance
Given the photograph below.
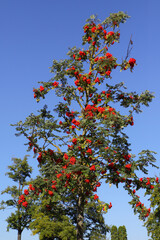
(20, 219)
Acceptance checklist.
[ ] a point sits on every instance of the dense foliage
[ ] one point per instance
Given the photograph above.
(153, 221)
(114, 233)
(122, 233)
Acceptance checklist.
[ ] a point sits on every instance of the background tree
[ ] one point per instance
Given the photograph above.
(122, 233)
(114, 233)
(48, 228)
(20, 219)
(153, 222)
(89, 143)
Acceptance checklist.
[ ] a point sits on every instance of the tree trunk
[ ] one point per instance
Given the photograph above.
(19, 234)
(19, 218)
(80, 217)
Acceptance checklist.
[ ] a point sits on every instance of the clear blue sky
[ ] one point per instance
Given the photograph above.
(33, 33)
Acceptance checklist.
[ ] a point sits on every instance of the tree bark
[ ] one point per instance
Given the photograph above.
(19, 234)
(80, 217)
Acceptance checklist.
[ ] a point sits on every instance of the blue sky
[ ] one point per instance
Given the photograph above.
(33, 33)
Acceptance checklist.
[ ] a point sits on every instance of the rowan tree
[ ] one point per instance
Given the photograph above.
(20, 219)
(84, 138)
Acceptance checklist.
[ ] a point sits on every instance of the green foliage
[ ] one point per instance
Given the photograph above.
(122, 233)
(97, 236)
(153, 222)
(57, 228)
(20, 170)
(19, 220)
(118, 233)
(114, 233)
